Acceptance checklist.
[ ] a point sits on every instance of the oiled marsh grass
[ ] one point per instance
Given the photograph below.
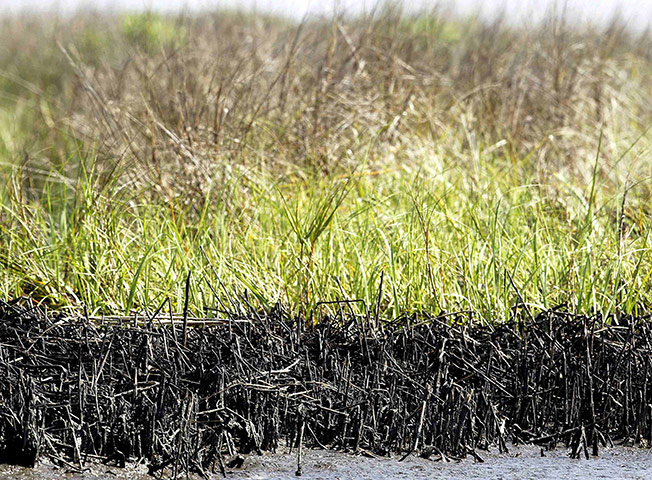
(468, 165)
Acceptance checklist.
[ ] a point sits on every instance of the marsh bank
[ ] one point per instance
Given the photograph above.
(187, 396)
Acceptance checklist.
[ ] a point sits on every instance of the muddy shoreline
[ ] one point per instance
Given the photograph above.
(181, 398)
(522, 462)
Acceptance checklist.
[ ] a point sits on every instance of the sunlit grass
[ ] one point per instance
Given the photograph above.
(441, 241)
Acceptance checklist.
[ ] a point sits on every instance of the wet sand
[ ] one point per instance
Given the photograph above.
(523, 462)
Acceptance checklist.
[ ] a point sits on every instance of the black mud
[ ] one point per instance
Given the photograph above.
(193, 399)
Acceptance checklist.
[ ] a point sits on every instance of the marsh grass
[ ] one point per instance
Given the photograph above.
(471, 166)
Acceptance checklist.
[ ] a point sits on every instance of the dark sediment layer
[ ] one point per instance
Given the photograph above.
(74, 390)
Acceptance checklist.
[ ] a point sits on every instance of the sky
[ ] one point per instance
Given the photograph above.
(637, 13)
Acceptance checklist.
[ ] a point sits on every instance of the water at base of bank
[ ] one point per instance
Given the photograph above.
(522, 462)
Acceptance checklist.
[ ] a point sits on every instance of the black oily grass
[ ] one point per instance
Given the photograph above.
(185, 398)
